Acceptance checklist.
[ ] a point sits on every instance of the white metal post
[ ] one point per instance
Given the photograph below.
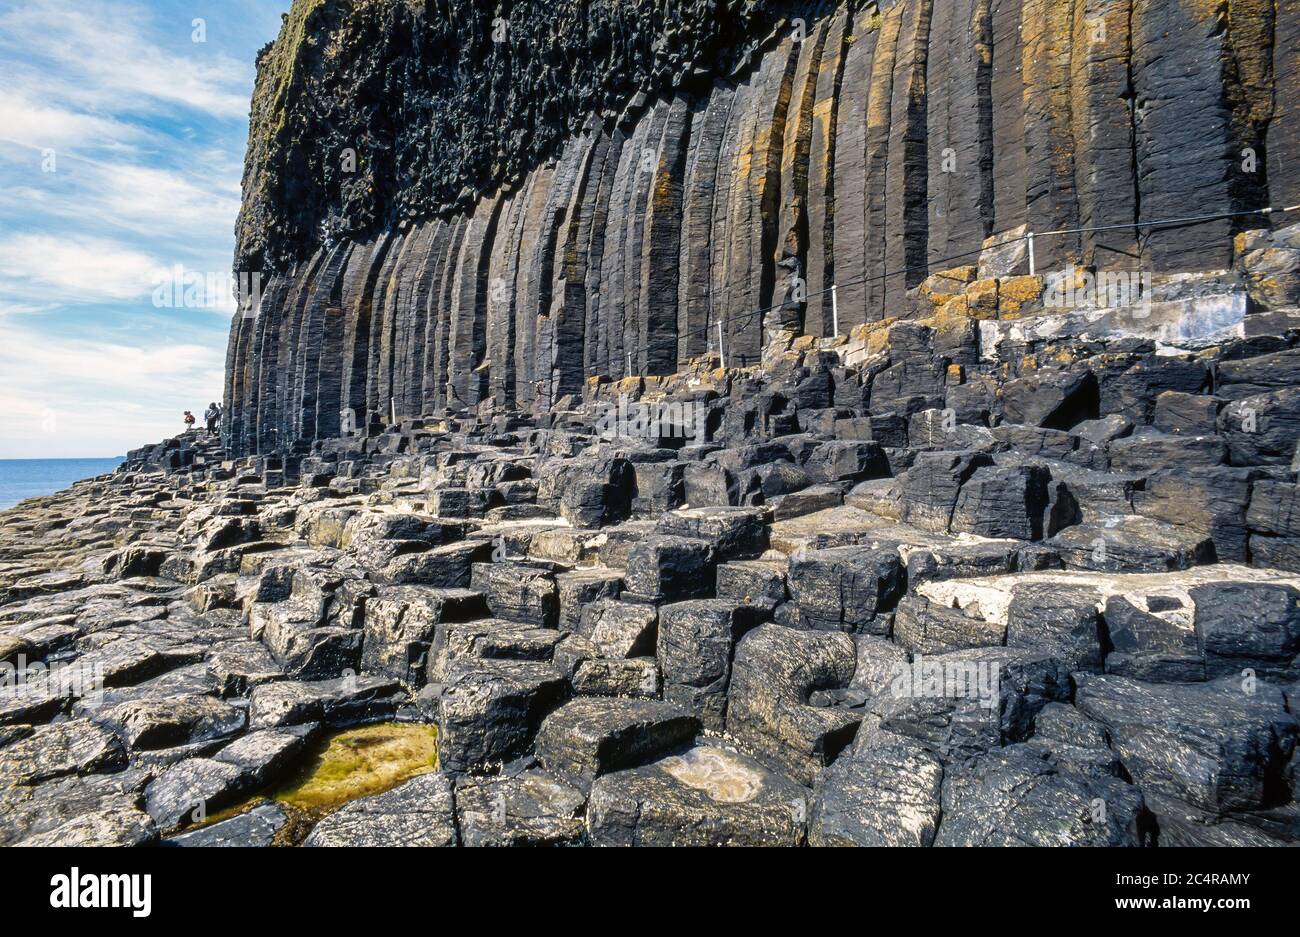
(722, 355)
(1030, 238)
(835, 310)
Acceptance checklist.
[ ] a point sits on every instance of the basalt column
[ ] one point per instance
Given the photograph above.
(907, 220)
(660, 251)
(820, 203)
(1283, 169)
(466, 339)
(960, 131)
(857, 147)
(854, 182)
(574, 267)
(695, 283)
(792, 227)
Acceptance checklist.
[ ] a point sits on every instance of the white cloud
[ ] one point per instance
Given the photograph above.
(95, 53)
(43, 126)
(58, 270)
(149, 131)
(136, 196)
(184, 220)
(88, 397)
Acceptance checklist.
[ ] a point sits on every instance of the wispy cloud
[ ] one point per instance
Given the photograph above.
(149, 201)
(80, 396)
(148, 130)
(61, 270)
(94, 56)
(40, 125)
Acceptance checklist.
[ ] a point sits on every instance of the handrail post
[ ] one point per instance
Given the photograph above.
(722, 354)
(835, 311)
(1030, 238)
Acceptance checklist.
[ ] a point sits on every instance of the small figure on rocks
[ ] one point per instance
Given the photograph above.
(189, 421)
(213, 417)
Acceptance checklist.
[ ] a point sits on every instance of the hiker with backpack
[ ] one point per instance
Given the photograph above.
(213, 416)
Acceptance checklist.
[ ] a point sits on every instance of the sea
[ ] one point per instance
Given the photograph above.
(29, 478)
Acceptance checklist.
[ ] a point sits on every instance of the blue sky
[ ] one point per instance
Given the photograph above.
(121, 149)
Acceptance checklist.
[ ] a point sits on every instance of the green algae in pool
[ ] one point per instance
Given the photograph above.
(342, 767)
(358, 763)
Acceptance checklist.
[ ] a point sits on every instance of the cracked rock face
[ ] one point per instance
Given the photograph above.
(958, 555)
(868, 669)
(512, 207)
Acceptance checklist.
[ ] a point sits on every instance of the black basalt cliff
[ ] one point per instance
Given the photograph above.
(729, 424)
(455, 203)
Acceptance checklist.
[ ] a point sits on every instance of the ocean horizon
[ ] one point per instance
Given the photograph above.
(30, 478)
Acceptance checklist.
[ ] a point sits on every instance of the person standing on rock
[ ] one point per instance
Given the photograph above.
(189, 421)
(213, 416)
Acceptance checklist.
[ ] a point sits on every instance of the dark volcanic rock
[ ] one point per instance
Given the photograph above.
(586, 738)
(1014, 797)
(1220, 746)
(596, 394)
(885, 795)
(705, 796)
(418, 813)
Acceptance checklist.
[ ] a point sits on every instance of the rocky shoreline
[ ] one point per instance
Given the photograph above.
(862, 593)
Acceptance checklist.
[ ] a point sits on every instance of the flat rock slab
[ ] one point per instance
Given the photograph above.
(118, 824)
(1219, 746)
(845, 525)
(418, 813)
(77, 746)
(636, 676)
(991, 596)
(191, 789)
(1015, 797)
(887, 794)
(29, 811)
(965, 702)
(1131, 544)
(489, 710)
(487, 639)
(255, 829)
(340, 702)
(667, 568)
(171, 721)
(261, 756)
(588, 737)
(533, 809)
(705, 796)
(522, 592)
(847, 588)
(620, 629)
(735, 532)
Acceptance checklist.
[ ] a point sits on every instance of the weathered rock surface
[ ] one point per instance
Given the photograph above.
(632, 428)
(705, 796)
(651, 177)
(418, 813)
